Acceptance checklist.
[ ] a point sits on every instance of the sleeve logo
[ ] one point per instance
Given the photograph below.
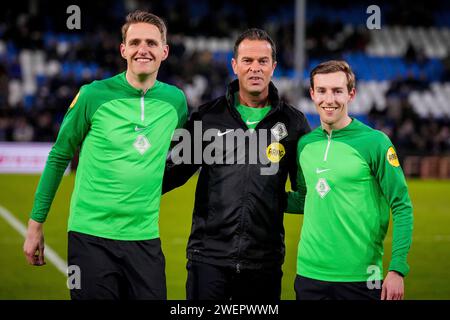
(74, 101)
(392, 157)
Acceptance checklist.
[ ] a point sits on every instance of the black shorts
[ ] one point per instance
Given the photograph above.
(212, 282)
(311, 289)
(115, 269)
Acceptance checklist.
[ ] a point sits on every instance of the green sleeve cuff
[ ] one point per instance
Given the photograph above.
(38, 217)
(295, 203)
(399, 266)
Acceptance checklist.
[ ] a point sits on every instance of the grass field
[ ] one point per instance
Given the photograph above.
(429, 256)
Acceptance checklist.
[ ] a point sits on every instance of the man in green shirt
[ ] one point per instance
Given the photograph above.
(349, 179)
(124, 126)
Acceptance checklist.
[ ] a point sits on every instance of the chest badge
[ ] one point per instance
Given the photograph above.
(141, 144)
(275, 151)
(322, 187)
(279, 131)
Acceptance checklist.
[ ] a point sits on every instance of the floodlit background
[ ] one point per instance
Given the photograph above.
(403, 84)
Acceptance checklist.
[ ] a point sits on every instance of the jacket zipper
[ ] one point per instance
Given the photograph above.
(237, 116)
(328, 146)
(241, 221)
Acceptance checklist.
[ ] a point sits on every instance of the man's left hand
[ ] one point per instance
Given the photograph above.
(393, 287)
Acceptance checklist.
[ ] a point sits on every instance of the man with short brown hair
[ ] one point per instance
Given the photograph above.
(124, 125)
(349, 179)
(139, 16)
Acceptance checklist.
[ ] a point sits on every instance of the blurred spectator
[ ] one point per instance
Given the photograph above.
(22, 131)
(413, 55)
(446, 73)
(443, 139)
(44, 128)
(5, 128)
(4, 86)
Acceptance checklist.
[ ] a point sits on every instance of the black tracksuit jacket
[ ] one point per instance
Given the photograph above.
(238, 212)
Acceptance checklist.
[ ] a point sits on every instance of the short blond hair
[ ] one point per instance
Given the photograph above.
(146, 17)
(331, 67)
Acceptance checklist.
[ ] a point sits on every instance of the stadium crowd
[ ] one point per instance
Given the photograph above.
(36, 36)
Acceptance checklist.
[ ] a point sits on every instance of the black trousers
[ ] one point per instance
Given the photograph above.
(311, 289)
(114, 269)
(211, 282)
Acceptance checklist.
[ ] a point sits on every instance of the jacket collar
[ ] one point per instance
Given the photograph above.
(233, 87)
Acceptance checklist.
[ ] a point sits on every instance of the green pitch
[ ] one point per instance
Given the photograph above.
(429, 256)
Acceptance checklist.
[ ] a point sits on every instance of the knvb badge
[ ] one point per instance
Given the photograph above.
(141, 144)
(322, 187)
(279, 131)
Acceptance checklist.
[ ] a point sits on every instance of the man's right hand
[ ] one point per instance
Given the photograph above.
(34, 243)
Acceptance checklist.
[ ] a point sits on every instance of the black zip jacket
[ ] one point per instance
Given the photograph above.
(238, 211)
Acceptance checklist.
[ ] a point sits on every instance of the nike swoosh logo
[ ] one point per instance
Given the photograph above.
(219, 134)
(251, 122)
(321, 170)
(136, 128)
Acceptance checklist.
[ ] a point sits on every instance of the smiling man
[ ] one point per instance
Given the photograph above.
(124, 126)
(349, 179)
(236, 247)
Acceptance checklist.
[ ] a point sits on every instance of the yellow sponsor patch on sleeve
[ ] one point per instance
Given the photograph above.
(74, 101)
(392, 158)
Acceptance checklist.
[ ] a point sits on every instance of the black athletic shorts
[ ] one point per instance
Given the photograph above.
(212, 282)
(115, 269)
(311, 289)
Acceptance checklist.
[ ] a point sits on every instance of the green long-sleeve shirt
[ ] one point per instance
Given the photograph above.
(348, 181)
(124, 135)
